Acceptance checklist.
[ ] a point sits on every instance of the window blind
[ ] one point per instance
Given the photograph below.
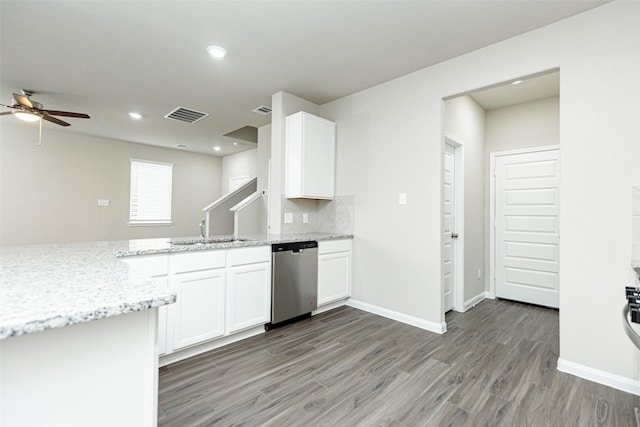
(150, 201)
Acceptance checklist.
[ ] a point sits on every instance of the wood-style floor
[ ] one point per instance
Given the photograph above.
(496, 366)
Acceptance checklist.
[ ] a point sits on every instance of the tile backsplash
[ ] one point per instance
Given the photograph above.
(325, 216)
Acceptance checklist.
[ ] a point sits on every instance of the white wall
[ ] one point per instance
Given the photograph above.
(397, 248)
(526, 125)
(282, 104)
(465, 121)
(240, 164)
(49, 193)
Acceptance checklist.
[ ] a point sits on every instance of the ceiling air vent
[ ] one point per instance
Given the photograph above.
(262, 110)
(186, 115)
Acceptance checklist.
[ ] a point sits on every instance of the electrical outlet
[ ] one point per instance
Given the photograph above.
(402, 198)
(103, 202)
(305, 218)
(288, 218)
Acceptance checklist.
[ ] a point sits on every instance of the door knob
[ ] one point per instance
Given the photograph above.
(454, 235)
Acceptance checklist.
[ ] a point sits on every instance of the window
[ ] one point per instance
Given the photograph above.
(150, 202)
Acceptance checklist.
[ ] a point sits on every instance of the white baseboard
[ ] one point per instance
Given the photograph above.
(475, 300)
(601, 377)
(438, 328)
(329, 306)
(209, 345)
(489, 295)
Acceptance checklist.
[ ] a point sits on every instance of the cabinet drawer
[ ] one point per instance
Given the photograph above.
(253, 255)
(195, 261)
(330, 246)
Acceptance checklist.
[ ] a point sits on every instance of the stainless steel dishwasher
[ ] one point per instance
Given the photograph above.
(294, 282)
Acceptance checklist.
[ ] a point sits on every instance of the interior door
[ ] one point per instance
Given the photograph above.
(526, 227)
(448, 238)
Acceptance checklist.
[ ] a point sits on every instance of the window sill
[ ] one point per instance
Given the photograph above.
(149, 223)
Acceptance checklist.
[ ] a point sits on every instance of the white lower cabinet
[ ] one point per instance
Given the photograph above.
(220, 292)
(334, 271)
(198, 314)
(249, 288)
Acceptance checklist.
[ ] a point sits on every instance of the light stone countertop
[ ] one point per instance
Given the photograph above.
(56, 285)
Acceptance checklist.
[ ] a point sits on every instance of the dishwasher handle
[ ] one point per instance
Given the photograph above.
(295, 247)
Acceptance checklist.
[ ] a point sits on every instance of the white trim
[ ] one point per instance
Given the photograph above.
(148, 223)
(329, 306)
(489, 295)
(246, 201)
(458, 285)
(474, 301)
(601, 377)
(153, 162)
(492, 208)
(229, 195)
(438, 328)
(182, 354)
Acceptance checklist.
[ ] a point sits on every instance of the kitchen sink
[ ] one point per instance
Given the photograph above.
(207, 241)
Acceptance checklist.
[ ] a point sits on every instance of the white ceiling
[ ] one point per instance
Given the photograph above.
(108, 58)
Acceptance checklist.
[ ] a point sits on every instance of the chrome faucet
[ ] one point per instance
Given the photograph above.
(202, 229)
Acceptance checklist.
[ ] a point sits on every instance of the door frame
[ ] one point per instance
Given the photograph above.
(458, 273)
(492, 206)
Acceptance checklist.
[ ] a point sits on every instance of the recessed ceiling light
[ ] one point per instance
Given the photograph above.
(217, 51)
(181, 146)
(134, 115)
(517, 82)
(235, 144)
(216, 148)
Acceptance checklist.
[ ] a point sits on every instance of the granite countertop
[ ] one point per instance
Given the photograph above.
(158, 246)
(56, 285)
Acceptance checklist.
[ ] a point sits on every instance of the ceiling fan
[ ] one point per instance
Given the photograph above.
(26, 109)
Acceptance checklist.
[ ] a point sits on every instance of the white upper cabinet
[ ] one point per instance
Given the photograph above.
(310, 157)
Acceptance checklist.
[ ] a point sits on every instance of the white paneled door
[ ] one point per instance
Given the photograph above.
(448, 229)
(526, 213)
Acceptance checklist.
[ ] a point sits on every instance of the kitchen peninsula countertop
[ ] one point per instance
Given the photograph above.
(56, 285)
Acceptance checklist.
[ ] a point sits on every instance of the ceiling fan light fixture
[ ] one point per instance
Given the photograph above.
(217, 51)
(26, 117)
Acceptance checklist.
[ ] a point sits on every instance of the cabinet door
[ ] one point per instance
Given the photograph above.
(310, 157)
(334, 277)
(318, 164)
(198, 314)
(248, 296)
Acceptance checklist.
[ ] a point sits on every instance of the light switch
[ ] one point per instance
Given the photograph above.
(288, 217)
(305, 218)
(402, 198)
(103, 202)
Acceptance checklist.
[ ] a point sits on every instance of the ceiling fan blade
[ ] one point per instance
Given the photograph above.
(54, 120)
(22, 100)
(66, 114)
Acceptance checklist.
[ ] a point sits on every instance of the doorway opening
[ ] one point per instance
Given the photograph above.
(502, 117)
